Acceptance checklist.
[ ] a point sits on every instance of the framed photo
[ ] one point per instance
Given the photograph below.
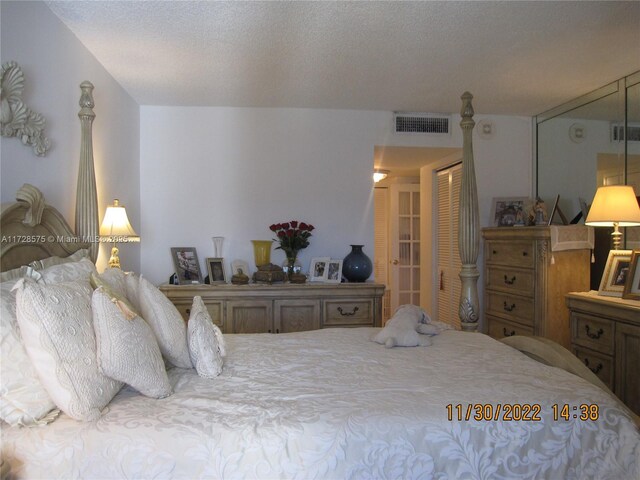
(632, 286)
(215, 266)
(509, 211)
(185, 261)
(318, 270)
(615, 273)
(334, 271)
(240, 266)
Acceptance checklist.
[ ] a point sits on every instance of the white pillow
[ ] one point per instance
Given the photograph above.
(69, 272)
(55, 260)
(23, 399)
(166, 322)
(127, 349)
(203, 341)
(57, 331)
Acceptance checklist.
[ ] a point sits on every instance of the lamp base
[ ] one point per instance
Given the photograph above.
(616, 236)
(114, 260)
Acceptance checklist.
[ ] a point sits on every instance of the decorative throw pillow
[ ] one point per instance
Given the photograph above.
(57, 331)
(55, 260)
(69, 272)
(132, 282)
(115, 288)
(203, 341)
(166, 322)
(23, 399)
(127, 349)
(14, 274)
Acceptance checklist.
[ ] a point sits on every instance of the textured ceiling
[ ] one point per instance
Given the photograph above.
(515, 57)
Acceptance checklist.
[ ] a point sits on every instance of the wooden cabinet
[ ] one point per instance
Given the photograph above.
(525, 282)
(281, 308)
(605, 335)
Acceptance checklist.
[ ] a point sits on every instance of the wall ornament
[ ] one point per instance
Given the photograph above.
(18, 120)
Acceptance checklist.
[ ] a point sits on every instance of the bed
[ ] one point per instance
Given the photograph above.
(331, 403)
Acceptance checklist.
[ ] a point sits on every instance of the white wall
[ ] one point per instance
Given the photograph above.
(232, 172)
(55, 63)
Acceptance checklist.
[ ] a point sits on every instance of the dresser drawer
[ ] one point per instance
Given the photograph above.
(348, 312)
(511, 280)
(511, 307)
(592, 332)
(215, 310)
(511, 253)
(499, 328)
(601, 365)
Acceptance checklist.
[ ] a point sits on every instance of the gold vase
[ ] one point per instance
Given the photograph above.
(262, 251)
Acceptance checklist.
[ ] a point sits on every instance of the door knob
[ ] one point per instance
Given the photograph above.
(395, 261)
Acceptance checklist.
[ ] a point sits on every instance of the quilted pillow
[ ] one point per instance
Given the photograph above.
(69, 272)
(55, 260)
(127, 349)
(203, 341)
(23, 399)
(57, 331)
(115, 288)
(166, 322)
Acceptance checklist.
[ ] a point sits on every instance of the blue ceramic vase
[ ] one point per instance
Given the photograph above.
(356, 266)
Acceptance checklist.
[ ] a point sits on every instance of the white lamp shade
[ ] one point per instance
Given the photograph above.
(614, 204)
(115, 225)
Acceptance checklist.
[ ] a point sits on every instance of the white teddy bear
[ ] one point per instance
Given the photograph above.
(404, 329)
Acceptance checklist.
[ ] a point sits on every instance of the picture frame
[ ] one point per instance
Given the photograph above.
(215, 267)
(334, 271)
(509, 211)
(615, 273)
(240, 266)
(187, 267)
(632, 286)
(556, 209)
(318, 270)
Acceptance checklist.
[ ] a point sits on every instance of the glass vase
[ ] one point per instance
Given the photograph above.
(262, 252)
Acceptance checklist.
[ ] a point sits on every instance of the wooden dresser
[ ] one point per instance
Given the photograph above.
(280, 308)
(605, 335)
(525, 283)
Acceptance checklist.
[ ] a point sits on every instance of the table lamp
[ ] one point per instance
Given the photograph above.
(614, 206)
(116, 228)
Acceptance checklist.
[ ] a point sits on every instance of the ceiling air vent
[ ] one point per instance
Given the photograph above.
(633, 132)
(421, 123)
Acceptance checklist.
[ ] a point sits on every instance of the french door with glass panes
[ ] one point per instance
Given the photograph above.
(405, 244)
(449, 265)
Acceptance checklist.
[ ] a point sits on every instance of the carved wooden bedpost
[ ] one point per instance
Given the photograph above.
(87, 196)
(468, 224)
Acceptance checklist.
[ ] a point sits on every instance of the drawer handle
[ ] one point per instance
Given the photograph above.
(509, 308)
(595, 369)
(348, 314)
(525, 254)
(509, 281)
(507, 334)
(495, 252)
(188, 311)
(596, 335)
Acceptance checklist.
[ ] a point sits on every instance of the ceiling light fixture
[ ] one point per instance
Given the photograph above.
(379, 174)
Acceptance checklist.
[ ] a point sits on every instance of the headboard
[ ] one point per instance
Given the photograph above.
(32, 230)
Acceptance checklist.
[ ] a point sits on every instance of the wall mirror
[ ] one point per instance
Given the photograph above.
(589, 142)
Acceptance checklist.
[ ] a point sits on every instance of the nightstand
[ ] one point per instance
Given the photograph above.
(605, 335)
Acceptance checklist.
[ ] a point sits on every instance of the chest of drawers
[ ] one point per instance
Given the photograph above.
(605, 335)
(525, 283)
(281, 308)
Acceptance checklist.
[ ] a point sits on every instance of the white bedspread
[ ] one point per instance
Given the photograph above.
(332, 404)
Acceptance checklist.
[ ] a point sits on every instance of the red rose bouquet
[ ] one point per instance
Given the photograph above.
(292, 237)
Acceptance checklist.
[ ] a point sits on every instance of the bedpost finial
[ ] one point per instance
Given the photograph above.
(467, 108)
(86, 97)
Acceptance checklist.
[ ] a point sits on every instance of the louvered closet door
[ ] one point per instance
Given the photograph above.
(448, 284)
(405, 245)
